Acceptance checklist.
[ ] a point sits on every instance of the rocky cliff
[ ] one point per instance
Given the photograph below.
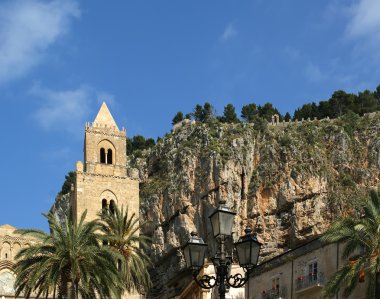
(286, 181)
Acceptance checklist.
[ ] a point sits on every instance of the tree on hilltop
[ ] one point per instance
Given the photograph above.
(229, 115)
(203, 114)
(177, 118)
(248, 112)
(267, 111)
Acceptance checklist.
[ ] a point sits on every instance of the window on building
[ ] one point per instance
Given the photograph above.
(104, 206)
(109, 156)
(112, 207)
(102, 155)
(276, 285)
(313, 271)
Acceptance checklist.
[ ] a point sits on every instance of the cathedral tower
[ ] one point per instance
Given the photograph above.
(101, 179)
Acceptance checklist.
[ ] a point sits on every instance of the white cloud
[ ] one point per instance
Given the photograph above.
(365, 21)
(27, 29)
(228, 33)
(65, 109)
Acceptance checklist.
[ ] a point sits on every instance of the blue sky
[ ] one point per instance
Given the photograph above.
(149, 59)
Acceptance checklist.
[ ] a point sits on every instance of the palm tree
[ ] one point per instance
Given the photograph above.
(68, 262)
(121, 232)
(360, 234)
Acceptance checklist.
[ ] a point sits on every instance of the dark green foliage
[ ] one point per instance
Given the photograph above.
(359, 235)
(341, 103)
(149, 143)
(346, 180)
(285, 140)
(120, 230)
(287, 117)
(139, 143)
(260, 124)
(198, 113)
(68, 263)
(203, 114)
(248, 112)
(229, 115)
(366, 102)
(350, 122)
(377, 92)
(177, 118)
(208, 112)
(267, 111)
(69, 180)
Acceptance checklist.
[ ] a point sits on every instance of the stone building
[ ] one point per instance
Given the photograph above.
(10, 245)
(300, 273)
(102, 181)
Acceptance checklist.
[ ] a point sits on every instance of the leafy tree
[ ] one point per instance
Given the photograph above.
(203, 114)
(229, 114)
(267, 111)
(198, 113)
(248, 112)
(149, 143)
(359, 233)
(69, 180)
(121, 232)
(208, 112)
(260, 124)
(366, 102)
(324, 109)
(177, 118)
(68, 261)
(341, 102)
(139, 143)
(287, 116)
(188, 116)
(377, 92)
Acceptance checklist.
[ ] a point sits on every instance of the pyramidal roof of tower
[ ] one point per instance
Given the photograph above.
(104, 117)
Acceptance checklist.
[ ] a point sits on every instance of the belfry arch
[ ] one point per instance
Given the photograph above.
(107, 152)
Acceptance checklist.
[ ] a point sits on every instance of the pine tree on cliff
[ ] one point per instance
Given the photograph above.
(177, 118)
(229, 114)
(248, 112)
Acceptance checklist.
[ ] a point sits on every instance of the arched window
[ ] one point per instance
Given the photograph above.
(112, 207)
(102, 155)
(119, 264)
(104, 206)
(109, 156)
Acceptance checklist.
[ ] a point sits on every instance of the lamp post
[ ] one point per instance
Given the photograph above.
(247, 248)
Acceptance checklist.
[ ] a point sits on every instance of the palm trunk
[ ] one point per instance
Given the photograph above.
(377, 289)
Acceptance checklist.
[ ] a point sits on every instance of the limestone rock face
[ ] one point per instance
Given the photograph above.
(286, 182)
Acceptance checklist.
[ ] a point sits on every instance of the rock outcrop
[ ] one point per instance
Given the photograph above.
(286, 182)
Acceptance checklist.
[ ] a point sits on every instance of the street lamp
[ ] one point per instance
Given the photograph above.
(247, 248)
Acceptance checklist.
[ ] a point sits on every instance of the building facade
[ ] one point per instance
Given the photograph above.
(300, 273)
(10, 245)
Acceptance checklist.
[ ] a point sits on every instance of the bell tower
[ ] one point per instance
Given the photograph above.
(101, 179)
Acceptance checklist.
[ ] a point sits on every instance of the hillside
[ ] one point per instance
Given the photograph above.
(287, 181)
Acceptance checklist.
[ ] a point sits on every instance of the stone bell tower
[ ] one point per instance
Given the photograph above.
(101, 179)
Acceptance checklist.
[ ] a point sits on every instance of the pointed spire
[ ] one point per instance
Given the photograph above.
(104, 117)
